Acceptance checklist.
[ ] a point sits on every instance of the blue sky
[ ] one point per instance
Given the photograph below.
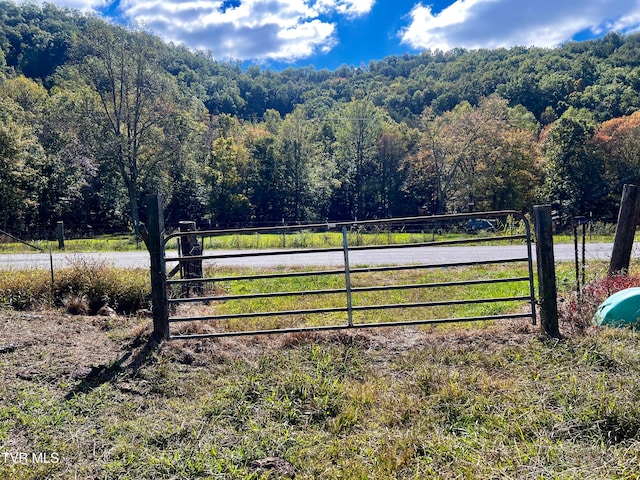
(329, 33)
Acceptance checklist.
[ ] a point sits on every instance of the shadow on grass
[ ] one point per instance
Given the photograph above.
(138, 353)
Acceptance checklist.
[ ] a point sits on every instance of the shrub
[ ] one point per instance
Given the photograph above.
(579, 308)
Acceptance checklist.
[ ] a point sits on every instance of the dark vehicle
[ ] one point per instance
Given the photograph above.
(479, 224)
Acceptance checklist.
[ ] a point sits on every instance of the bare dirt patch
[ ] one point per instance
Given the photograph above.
(56, 347)
(52, 346)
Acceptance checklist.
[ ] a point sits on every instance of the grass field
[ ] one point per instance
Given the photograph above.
(297, 239)
(86, 397)
(437, 293)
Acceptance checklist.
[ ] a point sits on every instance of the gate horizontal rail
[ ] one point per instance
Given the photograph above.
(352, 270)
(179, 293)
(345, 309)
(325, 328)
(340, 290)
(268, 253)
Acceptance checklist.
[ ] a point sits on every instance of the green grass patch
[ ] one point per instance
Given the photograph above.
(292, 239)
(434, 299)
(88, 399)
(103, 243)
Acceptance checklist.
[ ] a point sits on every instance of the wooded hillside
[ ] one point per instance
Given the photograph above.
(92, 116)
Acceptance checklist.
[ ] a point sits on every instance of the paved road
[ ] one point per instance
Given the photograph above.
(432, 255)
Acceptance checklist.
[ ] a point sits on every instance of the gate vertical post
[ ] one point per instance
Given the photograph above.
(625, 229)
(546, 271)
(347, 276)
(159, 299)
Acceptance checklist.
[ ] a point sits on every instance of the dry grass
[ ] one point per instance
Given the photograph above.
(83, 288)
(501, 402)
(578, 307)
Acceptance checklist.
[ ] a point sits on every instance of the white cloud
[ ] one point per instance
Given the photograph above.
(288, 30)
(283, 30)
(354, 8)
(349, 8)
(247, 29)
(504, 23)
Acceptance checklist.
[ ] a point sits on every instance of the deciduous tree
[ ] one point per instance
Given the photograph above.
(465, 154)
(226, 173)
(20, 158)
(137, 103)
(574, 174)
(358, 130)
(618, 144)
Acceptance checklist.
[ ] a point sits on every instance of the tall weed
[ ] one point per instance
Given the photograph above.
(100, 284)
(24, 289)
(83, 287)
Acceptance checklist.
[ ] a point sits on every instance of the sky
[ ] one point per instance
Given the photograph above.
(331, 33)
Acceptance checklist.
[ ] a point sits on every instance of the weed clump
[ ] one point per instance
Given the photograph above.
(99, 284)
(82, 288)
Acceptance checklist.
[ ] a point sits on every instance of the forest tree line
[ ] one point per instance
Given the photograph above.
(94, 116)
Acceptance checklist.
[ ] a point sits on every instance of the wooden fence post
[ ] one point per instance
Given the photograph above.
(546, 271)
(189, 246)
(155, 237)
(625, 229)
(60, 233)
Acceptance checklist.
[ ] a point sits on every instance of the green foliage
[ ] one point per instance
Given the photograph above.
(35, 39)
(226, 174)
(574, 176)
(136, 117)
(426, 133)
(357, 136)
(480, 158)
(22, 158)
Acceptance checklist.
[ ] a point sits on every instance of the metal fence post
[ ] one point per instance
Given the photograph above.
(546, 271)
(347, 276)
(159, 299)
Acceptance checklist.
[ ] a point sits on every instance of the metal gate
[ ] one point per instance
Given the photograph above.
(340, 285)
